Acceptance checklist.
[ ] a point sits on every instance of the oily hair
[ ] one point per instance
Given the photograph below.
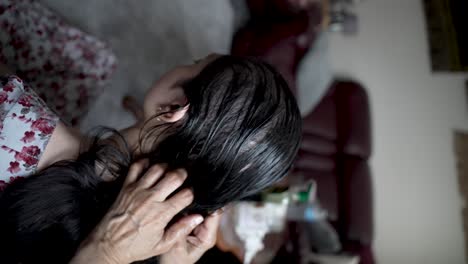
(240, 134)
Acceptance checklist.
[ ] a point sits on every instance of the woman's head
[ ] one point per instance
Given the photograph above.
(167, 93)
(235, 128)
(237, 131)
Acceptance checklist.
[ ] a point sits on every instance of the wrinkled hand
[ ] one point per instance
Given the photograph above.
(135, 226)
(192, 247)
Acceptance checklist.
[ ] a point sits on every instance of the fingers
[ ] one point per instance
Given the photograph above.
(135, 170)
(180, 230)
(168, 184)
(171, 182)
(207, 232)
(150, 178)
(177, 203)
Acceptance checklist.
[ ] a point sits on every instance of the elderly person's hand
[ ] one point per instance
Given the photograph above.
(135, 226)
(192, 247)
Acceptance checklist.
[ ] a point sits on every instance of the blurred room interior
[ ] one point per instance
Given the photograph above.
(379, 176)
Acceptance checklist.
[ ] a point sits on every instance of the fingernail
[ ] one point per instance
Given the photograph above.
(196, 221)
(182, 173)
(219, 211)
(162, 166)
(188, 193)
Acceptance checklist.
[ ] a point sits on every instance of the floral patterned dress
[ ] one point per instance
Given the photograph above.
(26, 125)
(67, 67)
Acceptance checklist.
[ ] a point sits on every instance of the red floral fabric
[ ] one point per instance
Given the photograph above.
(26, 125)
(67, 67)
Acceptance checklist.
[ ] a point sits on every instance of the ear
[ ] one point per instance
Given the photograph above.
(176, 106)
(175, 115)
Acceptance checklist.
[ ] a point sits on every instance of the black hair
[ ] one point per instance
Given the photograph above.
(240, 134)
(44, 217)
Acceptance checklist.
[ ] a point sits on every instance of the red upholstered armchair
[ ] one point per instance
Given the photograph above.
(335, 149)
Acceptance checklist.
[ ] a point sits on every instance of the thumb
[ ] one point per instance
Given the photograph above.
(178, 231)
(205, 234)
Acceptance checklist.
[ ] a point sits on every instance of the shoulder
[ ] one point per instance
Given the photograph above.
(26, 125)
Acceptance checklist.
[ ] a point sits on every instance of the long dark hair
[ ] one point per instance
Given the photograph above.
(240, 135)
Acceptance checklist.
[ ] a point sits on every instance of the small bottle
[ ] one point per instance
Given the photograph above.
(304, 205)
